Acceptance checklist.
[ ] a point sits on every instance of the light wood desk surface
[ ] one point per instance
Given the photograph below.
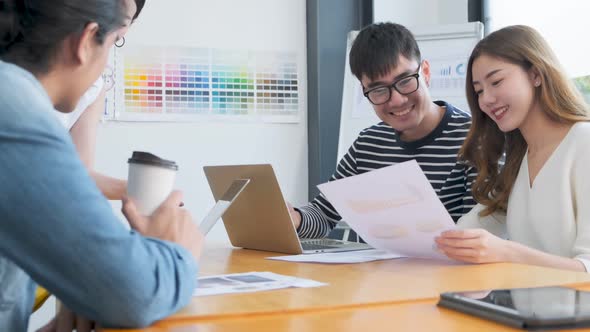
(352, 287)
(421, 315)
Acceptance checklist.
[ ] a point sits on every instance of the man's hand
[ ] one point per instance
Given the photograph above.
(295, 216)
(169, 222)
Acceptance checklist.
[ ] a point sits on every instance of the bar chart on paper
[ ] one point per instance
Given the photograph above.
(189, 83)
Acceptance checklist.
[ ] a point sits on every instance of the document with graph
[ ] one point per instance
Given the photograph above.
(249, 282)
(393, 208)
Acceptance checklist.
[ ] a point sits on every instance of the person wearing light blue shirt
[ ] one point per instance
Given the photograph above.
(56, 228)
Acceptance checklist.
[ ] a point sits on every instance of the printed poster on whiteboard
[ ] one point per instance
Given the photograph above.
(447, 79)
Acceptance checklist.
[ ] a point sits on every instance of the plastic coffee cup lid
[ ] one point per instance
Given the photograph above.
(145, 158)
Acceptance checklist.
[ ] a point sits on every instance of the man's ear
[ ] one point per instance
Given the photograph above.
(86, 43)
(425, 69)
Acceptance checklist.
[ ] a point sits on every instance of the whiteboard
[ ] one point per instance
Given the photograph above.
(446, 47)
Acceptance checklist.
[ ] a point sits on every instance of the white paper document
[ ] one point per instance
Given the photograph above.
(392, 208)
(345, 257)
(249, 282)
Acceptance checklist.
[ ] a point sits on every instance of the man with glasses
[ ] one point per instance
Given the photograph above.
(386, 59)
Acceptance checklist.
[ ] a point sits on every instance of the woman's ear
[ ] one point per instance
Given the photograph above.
(87, 44)
(535, 77)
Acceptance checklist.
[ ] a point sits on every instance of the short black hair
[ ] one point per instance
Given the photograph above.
(377, 48)
(139, 4)
(32, 31)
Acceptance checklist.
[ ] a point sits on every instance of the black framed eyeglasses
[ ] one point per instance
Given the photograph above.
(404, 86)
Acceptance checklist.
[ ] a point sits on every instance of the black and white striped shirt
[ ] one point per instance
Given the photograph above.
(379, 146)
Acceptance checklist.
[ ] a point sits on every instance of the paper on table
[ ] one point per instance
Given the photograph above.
(249, 282)
(392, 208)
(345, 257)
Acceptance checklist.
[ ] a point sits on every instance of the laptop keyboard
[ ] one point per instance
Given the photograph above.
(320, 244)
(309, 246)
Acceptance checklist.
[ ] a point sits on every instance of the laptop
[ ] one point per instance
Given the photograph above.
(259, 218)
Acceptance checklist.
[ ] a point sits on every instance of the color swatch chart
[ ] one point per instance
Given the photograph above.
(167, 81)
(232, 83)
(203, 81)
(276, 84)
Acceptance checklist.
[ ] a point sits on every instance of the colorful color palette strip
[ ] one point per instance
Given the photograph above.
(204, 81)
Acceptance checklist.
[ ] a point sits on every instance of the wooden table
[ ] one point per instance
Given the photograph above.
(420, 315)
(372, 289)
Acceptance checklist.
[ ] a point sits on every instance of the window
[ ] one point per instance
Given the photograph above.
(565, 24)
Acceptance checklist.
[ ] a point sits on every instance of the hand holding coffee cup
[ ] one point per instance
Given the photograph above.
(150, 180)
(153, 208)
(169, 222)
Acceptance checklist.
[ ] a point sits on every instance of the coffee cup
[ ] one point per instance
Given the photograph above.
(150, 180)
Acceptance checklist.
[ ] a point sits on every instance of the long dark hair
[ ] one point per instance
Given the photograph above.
(486, 143)
(31, 31)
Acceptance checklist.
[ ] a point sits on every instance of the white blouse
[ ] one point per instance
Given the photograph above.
(552, 215)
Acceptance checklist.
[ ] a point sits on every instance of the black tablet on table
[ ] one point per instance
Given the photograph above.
(526, 308)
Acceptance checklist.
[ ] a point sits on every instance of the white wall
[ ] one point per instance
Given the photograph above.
(420, 12)
(226, 24)
(564, 26)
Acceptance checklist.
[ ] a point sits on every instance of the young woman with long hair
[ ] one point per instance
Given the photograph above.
(529, 142)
